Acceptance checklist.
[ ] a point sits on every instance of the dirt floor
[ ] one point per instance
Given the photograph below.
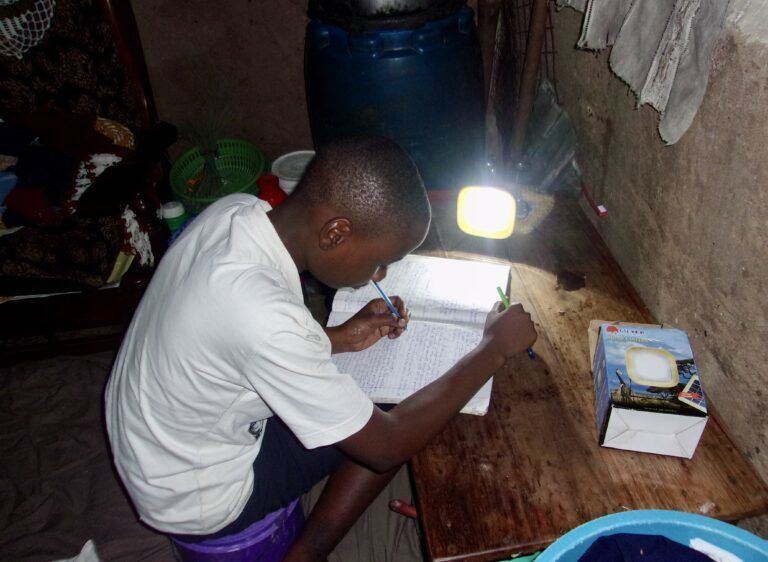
(58, 488)
(57, 485)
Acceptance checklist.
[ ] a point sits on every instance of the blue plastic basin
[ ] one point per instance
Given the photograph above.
(675, 525)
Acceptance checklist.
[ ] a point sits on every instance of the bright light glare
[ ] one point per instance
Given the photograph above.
(650, 366)
(486, 211)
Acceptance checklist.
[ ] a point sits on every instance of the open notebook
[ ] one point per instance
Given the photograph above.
(449, 301)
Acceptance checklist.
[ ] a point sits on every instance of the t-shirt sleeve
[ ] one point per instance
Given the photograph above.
(286, 357)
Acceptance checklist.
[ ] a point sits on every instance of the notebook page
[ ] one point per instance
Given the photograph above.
(391, 370)
(435, 289)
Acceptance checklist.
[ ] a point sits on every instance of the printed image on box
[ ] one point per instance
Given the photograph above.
(648, 393)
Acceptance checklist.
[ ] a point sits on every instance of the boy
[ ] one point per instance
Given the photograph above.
(224, 404)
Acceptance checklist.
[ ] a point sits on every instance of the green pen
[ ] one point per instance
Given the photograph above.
(505, 301)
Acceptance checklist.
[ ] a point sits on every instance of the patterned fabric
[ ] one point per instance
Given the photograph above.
(76, 227)
(75, 255)
(117, 133)
(75, 68)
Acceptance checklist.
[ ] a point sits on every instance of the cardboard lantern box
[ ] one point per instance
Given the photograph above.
(648, 394)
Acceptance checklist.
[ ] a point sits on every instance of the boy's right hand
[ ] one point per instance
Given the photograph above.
(508, 332)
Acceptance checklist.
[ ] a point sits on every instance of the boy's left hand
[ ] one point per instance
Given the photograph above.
(373, 322)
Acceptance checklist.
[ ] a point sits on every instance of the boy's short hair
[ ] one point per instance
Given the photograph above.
(371, 180)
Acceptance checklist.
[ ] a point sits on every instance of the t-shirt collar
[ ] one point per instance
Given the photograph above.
(274, 247)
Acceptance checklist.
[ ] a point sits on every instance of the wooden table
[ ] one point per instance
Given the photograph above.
(515, 480)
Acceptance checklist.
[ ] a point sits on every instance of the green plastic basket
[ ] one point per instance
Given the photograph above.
(239, 163)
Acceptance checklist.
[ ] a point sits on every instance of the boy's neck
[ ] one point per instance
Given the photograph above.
(292, 224)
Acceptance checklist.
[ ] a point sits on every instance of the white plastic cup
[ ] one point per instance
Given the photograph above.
(290, 167)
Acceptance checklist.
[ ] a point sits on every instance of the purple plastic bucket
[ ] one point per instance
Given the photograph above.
(267, 540)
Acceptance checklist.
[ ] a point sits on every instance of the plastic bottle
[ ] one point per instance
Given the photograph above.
(174, 214)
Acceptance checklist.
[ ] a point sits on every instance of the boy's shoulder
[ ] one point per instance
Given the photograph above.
(260, 291)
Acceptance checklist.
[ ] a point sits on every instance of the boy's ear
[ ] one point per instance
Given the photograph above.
(334, 233)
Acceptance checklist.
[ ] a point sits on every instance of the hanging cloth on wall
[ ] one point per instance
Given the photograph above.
(579, 5)
(661, 49)
(602, 22)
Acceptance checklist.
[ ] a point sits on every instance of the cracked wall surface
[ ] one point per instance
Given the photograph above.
(687, 223)
(245, 55)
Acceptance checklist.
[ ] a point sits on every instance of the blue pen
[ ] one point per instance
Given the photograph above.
(505, 300)
(391, 306)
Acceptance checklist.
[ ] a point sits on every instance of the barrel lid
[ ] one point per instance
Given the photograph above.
(356, 16)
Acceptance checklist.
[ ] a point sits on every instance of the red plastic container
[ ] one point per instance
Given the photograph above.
(269, 190)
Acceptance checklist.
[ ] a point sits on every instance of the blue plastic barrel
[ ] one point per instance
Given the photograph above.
(267, 540)
(422, 88)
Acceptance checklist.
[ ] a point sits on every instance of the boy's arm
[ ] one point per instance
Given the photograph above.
(390, 438)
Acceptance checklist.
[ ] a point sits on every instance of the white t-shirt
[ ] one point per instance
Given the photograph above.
(221, 340)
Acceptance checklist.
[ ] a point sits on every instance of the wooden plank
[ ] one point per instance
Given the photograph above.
(71, 324)
(516, 479)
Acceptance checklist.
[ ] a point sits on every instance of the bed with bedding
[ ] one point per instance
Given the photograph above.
(83, 172)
